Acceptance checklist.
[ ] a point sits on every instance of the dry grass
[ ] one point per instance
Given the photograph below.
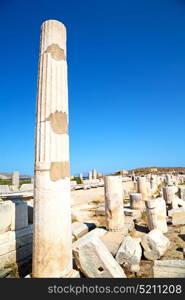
(144, 216)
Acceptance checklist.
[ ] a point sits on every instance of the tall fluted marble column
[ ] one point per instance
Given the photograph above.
(52, 244)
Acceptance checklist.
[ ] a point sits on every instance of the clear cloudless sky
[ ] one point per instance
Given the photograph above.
(126, 77)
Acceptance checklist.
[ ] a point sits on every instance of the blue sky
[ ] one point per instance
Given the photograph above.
(126, 72)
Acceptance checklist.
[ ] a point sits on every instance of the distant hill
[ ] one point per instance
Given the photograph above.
(158, 170)
(9, 175)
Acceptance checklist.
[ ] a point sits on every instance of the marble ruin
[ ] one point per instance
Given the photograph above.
(93, 224)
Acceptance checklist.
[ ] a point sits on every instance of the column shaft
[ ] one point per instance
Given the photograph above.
(52, 245)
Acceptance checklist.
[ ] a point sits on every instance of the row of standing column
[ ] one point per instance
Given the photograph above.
(91, 175)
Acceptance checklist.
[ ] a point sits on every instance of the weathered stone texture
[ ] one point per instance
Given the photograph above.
(5, 216)
(112, 240)
(156, 214)
(52, 242)
(129, 254)
(136, 201)
(15, 178)
(169, 269)
(169, 194)
(114, 203)
(142, 187)
(19, 215)
(155, 244)
(94, 260)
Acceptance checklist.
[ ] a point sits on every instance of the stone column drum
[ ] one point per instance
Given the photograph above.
(148, 189)
(154, 183)
(168, 179)
(52, 242)
(169, 194)
(142, 187)
(90, 175)
(114, 203)
(15, 178)
(156, 214)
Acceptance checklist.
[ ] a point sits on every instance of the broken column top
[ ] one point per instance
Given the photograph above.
(152, 203)
(54, 41)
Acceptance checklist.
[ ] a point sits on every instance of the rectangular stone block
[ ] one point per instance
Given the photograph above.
(178, 216)
(182, 193)
(98, 232)
(5, 216)
(79, 229)
(26, 187)
(135, 213)
(16, 256)
(94, 259)
(20, 196)
(177, 202)
(113, 240)
(19, 215)
(155, 244)
(169, 269)
(12, 240)
(4, 189)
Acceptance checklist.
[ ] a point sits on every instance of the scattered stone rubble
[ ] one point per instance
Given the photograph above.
(94, 259)
(109, 251)
(129, 253)
(155, 244)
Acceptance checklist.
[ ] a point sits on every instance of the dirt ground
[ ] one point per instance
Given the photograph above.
(94, 195)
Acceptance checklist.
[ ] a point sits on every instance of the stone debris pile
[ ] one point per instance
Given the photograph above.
(118, 248)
